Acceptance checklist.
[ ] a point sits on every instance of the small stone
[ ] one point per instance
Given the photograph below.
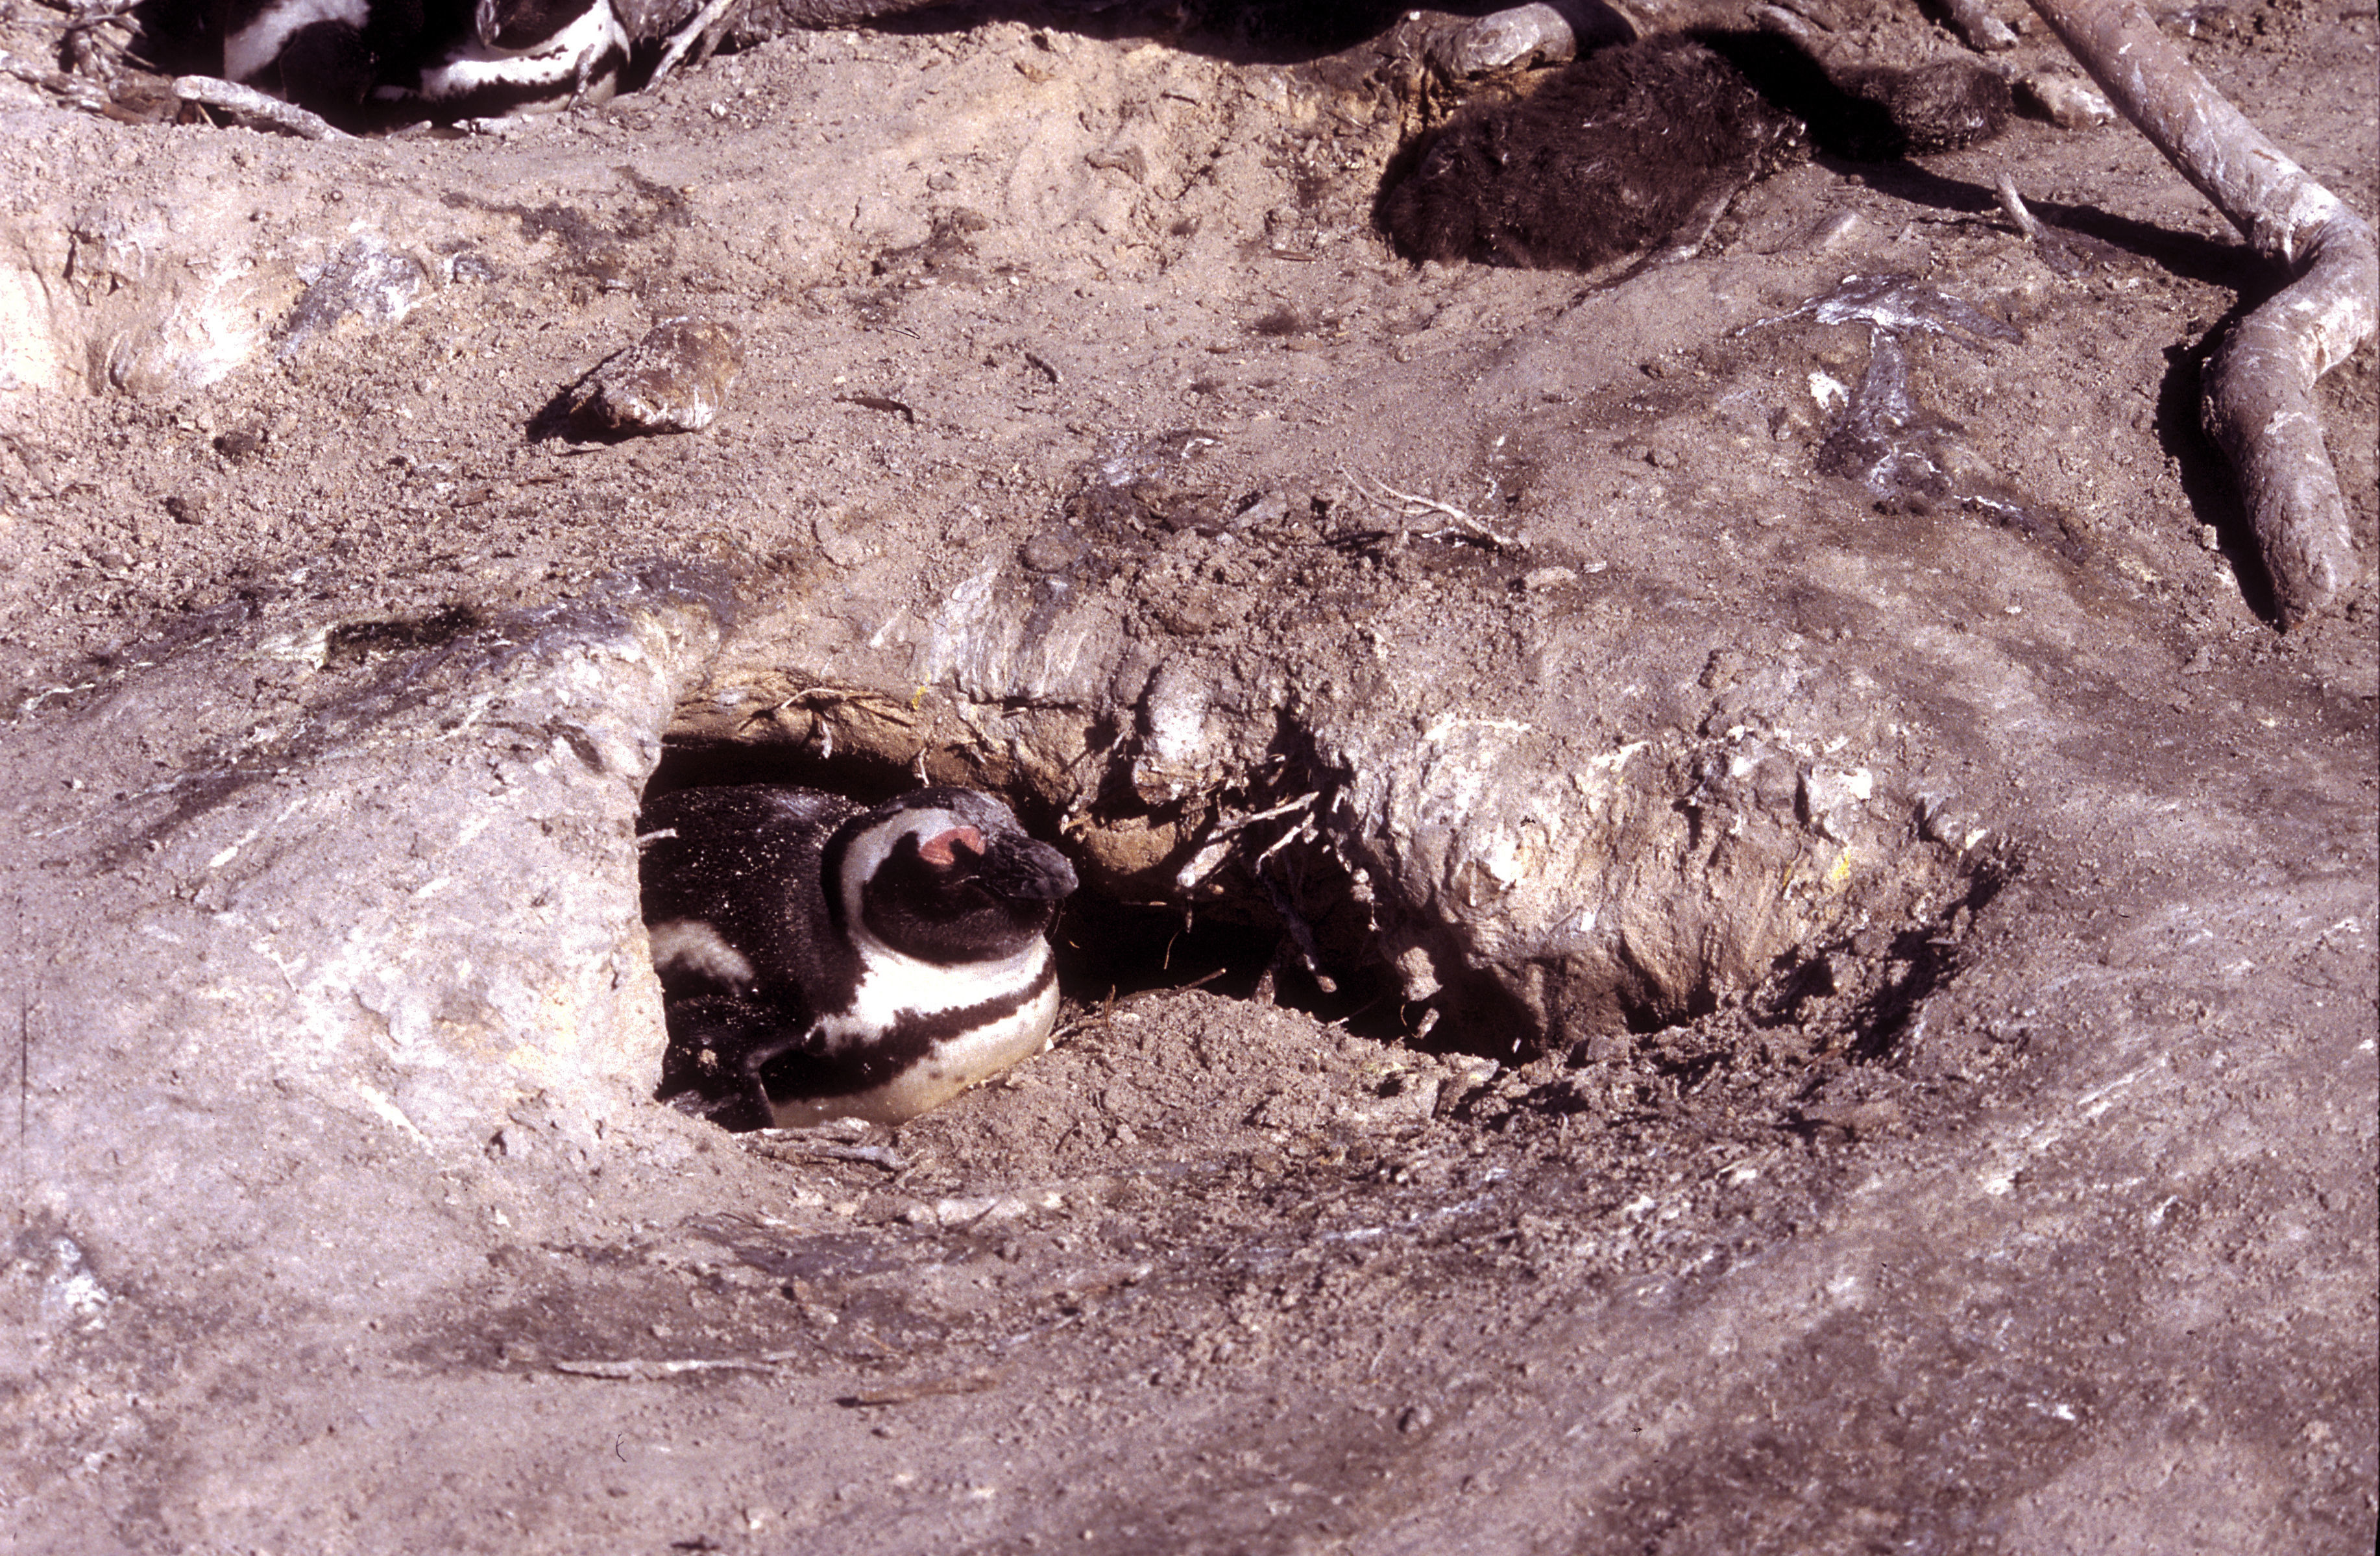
(1260, 508)
(2064, 101)
(1860, 1120)
(1054, 550)
(836, 539)
(238, 446)
(1517, 35)
(1126, 157)
(1833, 231)
(1190, 615)
(676, 380)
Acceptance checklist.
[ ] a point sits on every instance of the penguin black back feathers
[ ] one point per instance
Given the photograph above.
(821, 960)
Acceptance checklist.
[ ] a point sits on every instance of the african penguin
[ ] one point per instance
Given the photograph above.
(359, 62)
(818, 960)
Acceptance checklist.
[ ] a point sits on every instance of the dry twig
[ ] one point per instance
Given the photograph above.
(2259, 398)
(1465, 527)
(2053, 251)
(697, 29)
(232, 97)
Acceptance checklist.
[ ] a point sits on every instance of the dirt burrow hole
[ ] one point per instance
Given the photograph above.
(1718, 902)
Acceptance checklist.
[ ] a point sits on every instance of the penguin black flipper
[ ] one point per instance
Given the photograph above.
(717, 1044)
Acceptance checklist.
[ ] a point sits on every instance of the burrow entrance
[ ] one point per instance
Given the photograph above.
(1287, 913)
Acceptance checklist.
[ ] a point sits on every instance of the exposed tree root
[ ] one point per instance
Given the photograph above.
(2259, 400)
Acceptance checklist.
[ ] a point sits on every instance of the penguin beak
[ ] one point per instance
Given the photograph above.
(1021, 869)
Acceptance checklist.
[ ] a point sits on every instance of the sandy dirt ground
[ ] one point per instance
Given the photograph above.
(1898, 1075)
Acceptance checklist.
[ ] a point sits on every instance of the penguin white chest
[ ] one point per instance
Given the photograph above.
(996, 1026)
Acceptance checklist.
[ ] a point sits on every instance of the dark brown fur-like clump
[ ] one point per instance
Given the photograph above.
(1938, 107)
(1871, 113)
(1608, 159)
(1642, 145)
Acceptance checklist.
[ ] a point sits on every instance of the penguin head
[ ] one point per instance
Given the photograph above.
(948, 876)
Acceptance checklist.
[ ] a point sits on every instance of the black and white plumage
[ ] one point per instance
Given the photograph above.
(359, 62)
(818, 960)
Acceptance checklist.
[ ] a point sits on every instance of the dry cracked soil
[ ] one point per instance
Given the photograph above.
(1631, 993)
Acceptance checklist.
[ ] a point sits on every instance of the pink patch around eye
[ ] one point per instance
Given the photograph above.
(939, 849)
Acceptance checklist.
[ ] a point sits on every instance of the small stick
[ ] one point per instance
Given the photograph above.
(685, 36)
(978, 1382)
(2259, 397)
(639, 1371)
(79, 93)
(230, 96)
(1463, 524)
(2048, 244)
(2013, 205)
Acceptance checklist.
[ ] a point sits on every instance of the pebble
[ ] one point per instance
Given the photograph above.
(676, 380)
(1053, 550)
(2066, 101)
(839, 544)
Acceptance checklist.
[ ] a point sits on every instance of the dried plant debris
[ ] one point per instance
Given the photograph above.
(676, 380)
(1643, 145)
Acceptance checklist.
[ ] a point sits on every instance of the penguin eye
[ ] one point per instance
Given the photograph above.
(942, 849)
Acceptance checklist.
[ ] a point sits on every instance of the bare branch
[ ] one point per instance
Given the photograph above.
(232, 97)
(2259, 404)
